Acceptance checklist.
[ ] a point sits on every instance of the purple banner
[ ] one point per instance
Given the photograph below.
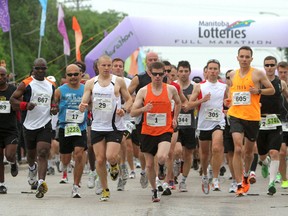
(4, 16)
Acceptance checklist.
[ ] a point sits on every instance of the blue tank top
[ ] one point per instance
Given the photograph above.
(68, 107)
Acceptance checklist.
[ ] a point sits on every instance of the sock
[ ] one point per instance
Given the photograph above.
(254, 163)
(32, 167)
(143, 172)
(273, 170)
(184, 178)
(64, 169)
(265, 162)
(239, 185)
(49, 163)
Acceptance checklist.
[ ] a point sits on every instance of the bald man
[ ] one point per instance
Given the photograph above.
(36, 106)
(72, 125)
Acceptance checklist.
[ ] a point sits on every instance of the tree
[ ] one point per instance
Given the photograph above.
(25, 18)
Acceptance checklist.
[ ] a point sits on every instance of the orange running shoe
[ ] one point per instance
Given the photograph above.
(240, 192)
(245, 185)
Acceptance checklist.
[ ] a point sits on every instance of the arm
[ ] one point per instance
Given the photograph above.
(126, 95)
(284, 89)
(17, 103)
(177, 106)
(57, 96)
(86, 96)
(133, 85)
(193, 100)
(137, 108)
(263, 79)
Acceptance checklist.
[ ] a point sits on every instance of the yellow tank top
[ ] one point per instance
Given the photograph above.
(245, 106)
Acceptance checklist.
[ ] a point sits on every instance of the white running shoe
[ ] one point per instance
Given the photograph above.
(91, 179)
(75, 191)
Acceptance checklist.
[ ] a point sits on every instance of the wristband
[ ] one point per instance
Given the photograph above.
(53, 105)
(23, 105)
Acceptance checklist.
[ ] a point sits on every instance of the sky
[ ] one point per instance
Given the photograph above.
(199, 56)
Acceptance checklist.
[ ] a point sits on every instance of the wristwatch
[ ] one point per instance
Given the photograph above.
(259, 91)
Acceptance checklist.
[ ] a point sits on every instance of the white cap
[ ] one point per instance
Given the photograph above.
(51, 78)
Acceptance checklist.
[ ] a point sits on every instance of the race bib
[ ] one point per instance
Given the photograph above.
(272, 120)
(212, 114)
(103, 104)
(41, 99)
(156, 119)
(74, 116)
(264, 126)
(72, 130)
(241, 98)
(184, 119)
(285, 126)
(5, 107)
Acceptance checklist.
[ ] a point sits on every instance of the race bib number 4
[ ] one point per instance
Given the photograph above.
(74, 116)
(184, 119)
(72, 130)
(212, 114)
(241, 98)
(156, 119)
(41, 99)
(5, 107)
(103, 104)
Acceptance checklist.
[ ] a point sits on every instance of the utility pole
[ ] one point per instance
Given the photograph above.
(77, 4)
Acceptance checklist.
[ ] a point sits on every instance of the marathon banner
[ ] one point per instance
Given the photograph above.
(135, 32)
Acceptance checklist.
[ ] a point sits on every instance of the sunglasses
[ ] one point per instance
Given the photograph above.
(168, 71)
(156, 73)
(269, 65)
(72, 74)
(228, 78)
(40, 68)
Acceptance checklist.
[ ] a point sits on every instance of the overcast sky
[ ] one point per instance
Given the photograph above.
(199, 56)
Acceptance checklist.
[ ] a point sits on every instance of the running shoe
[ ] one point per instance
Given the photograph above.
(98, 186)
(50, 171)
(132, 175)
(172, 186)
(233, 187)
(124, 171)
(34, 186)
(3, 189)
(114, 172)
(32, 175)
(215, 184)
(271, 189)
(155, 196)
(245, 185)
(278, 178)
(183, 187)
(159, 185)
(91, 179)
(105, 195)
(144, 180)
(205, 185)
(64, 179)
(284, 184)
(252, 177)
(264, 169)
(176, 167)
(161, 172)
(240, 192)
(75, 191)
(222, 171)
(166, 188)
(41, 189)
(14, 169)
(120, 185)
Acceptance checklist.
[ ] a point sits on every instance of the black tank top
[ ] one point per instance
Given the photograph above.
(8, 121)
(271, 104)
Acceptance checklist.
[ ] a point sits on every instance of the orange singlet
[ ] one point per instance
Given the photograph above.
(245, 105)
(158, 120)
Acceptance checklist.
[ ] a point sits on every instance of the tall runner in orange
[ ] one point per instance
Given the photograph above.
(244, 113)
(154, 102)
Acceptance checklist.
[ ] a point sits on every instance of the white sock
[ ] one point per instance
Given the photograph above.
(273, 170)
(266, 161)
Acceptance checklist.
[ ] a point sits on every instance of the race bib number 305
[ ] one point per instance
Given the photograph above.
(5, 107)
(212, 114)
(156, 119)
(72, 130)
(241, 98)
